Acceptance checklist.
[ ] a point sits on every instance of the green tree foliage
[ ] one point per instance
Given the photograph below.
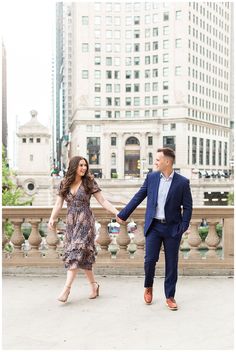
(231, 198)
(11, 193)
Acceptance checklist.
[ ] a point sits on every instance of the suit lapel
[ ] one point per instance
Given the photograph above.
(172, 187)
(156, 187)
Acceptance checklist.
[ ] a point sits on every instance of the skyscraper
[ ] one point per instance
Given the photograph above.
(146, 75)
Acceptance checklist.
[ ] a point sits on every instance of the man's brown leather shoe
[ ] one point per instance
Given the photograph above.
(171, 304)
(148, 295)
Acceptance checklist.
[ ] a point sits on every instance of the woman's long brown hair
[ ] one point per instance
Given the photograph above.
(87, 179)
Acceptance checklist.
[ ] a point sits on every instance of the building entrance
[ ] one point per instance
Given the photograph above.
(132, 157)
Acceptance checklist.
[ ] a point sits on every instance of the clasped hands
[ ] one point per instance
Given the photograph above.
(120, 221)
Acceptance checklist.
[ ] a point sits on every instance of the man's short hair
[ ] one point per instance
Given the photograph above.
(167, 152)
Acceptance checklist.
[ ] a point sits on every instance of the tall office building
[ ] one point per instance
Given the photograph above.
(147, 75)
(4, 96)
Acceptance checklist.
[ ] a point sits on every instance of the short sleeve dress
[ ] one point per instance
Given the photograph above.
(79, 242)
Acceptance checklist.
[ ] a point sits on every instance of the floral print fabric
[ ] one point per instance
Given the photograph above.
(79, 242)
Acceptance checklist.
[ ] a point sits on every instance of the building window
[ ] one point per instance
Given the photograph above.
(150, 140)
(38, 140)
(113, 141)
(117, 114)
(108, 61)
(108, 74)
(117, 101)
(127, 101)
(97, 87)
(23, 140)
(113, 159)
(97, 114)
(154, 86)
(97, 74)
(225, 153)
(166, 30)
(136, 87)
(108, 101)
(178, 70)
(117, 88)
(108, 88)
(169, 141)
(213, 152)
(128, 87)
(127, 74)
(165, 112)
(178, 43)
(93, 150)
(136, 101)
(165, 99)
(220, 153)
(108, 114)
(178, 14)
(85, 47)
(194, 150)
(97, 101)
(85, 20)
(31, 157)
(147, 87)
(165, 85)
(97, 60)
(208, 152)
(166, 16)
(97, 47)
(201, 151)
(165, 44)
(31, 140)
(150, 158)
(165, 71)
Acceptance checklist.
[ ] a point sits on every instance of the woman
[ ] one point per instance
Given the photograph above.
(79, 248)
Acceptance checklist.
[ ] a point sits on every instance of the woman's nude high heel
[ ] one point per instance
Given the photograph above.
(64, 297)
(95, 294)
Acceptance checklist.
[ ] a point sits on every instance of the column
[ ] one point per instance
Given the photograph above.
(34, 239)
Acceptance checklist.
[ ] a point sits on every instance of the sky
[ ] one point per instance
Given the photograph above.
(27, 30)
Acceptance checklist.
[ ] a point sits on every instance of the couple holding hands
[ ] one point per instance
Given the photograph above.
(168, 214)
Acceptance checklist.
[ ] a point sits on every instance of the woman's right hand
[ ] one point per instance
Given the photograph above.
(51, 224)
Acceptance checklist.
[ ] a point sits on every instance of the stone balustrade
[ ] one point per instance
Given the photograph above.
(122, 253)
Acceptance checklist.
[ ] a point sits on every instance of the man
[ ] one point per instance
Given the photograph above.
(168, 214)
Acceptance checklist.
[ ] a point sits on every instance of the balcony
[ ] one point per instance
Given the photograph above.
(212, 256)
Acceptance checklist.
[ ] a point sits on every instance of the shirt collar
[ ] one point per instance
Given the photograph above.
(168, 178)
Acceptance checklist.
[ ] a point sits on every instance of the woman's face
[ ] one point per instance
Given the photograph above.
(82, 168)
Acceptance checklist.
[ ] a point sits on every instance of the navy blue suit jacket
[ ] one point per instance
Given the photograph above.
(178, 206)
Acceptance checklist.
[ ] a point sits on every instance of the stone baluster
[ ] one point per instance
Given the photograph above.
(139, 239)
(34, 239)
(212, 240)
(123, 240)
(194, 240)
(103, 239)
(4, 237)
(17, 239)
(52, 242)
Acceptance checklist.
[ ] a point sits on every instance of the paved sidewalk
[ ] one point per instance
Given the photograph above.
(118, 319)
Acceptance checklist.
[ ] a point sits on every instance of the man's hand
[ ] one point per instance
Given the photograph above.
(120, 221)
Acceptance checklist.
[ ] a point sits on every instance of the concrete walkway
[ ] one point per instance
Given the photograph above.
(118, 319)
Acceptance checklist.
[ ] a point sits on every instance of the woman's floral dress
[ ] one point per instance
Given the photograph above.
(79, 242)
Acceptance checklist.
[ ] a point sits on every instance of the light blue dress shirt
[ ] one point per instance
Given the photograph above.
(164, 187)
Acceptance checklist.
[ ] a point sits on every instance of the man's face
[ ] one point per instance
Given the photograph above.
(161, 162)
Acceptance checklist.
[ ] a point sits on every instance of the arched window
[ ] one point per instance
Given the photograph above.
(132, 140)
